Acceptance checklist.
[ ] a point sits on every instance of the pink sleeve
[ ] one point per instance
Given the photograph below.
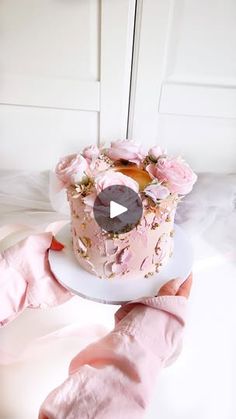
(26, 279)
(113, 377)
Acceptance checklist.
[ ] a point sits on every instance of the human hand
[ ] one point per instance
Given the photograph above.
(177, 287)
(26, 279)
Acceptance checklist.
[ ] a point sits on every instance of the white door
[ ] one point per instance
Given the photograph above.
(64, 77)
(184, 80)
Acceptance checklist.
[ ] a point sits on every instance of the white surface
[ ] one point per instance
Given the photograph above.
(64, 77)
(184, 80)
(117, 291)
(200, 385)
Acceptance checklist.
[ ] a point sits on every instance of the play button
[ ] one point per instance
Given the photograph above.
(117, 209)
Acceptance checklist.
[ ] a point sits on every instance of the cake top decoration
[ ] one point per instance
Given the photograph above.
(154, 174)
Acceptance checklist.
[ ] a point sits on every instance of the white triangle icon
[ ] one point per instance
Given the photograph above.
(116, 209)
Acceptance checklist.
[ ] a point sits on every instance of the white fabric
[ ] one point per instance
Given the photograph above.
(200, 385)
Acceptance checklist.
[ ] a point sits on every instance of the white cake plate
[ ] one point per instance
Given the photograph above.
(117, 291)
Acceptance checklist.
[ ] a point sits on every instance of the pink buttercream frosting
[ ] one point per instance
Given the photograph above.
(157, 178)
(130, 255)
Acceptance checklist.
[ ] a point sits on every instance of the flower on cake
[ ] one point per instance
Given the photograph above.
(72, 169)
(96, 169)
(99, 165)
(104, 180)
(91, 153)
(175, 173)
(125, 150)
(97, 160)
(155, 152)
(110, 178)
(156, 192)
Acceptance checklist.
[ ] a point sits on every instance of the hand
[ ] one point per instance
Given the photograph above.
(177, 287)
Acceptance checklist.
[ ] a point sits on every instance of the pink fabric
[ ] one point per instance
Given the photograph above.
(113, 377)
(26, 279)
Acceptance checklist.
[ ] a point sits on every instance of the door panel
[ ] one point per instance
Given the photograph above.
(34, 138)
(201, 42)
(185, 87)
(64, 76)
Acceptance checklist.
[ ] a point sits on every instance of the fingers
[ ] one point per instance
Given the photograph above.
(56, 245)
(170, 288)
(185, 288)
(177, 287)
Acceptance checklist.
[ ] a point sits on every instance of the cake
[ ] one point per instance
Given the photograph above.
(160, 182)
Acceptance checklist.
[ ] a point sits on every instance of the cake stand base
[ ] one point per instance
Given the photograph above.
(117, 291)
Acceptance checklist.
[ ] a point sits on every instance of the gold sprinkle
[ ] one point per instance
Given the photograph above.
(154, 226)
(148, 274)
(87, 241)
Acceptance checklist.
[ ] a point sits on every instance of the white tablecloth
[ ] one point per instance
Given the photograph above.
(201, 384)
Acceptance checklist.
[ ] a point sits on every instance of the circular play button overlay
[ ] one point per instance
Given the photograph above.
(117, 209)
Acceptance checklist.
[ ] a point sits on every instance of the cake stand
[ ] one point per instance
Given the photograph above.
(117, 291)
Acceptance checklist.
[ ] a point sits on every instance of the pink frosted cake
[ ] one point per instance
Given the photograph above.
(159, 180)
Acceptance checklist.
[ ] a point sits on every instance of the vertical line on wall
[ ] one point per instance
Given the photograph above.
(164, 70)
(117, 29)
(134, 66)
(99, 68)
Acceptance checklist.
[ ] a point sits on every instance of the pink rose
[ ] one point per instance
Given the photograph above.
(125, 150)
(175, 172)
(103, 181)
(110, 178)
(91, 153)
(99, 165)
(155, 152)
(156, 192)
(72, 169)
